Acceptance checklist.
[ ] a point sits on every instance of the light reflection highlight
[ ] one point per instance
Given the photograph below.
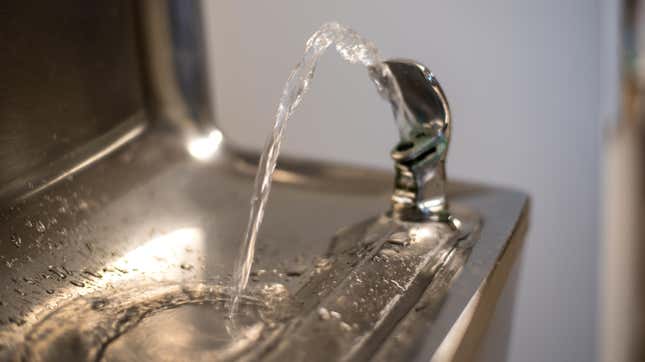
(160, 258)
(158, 253)
(423, 233)
(204, 148)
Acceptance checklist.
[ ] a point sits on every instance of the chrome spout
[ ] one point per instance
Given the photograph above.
(420, 181)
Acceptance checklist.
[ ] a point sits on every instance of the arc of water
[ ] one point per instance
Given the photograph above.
(353, 48)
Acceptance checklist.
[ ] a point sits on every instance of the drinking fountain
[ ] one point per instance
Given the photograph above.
(123, 207)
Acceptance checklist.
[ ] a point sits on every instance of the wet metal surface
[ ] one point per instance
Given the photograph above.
(151, 213)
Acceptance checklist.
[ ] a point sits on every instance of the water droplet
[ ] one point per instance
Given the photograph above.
(98, 304)
(10, 263)
(16, 240)
(186, 266)
(29, 224)
(70, 273)
(49, 291)
(20, 292)
(40, 227)
(322, 264)
(275, 291)
(92, 273)
(323, 314)
(77, 283)
(56, 272)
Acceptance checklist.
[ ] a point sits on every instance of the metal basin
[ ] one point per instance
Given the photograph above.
(151, 217)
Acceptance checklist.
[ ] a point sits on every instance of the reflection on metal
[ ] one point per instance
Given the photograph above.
(156, 255)
(419, 192)
(75, 161)
(204, 147)
(175, 61)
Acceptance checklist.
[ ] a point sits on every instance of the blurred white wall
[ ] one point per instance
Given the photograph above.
(523, 78)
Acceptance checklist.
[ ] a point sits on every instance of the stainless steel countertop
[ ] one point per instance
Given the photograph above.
(150, 213)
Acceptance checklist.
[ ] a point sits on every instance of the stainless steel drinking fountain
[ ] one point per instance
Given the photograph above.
(122, 208)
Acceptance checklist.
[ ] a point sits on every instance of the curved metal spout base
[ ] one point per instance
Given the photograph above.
(419, 184)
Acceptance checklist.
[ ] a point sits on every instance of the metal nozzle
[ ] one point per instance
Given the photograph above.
(419, 192)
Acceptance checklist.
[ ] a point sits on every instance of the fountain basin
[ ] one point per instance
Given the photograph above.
(147, 216)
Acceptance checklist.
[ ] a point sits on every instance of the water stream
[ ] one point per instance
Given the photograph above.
(353, 48)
